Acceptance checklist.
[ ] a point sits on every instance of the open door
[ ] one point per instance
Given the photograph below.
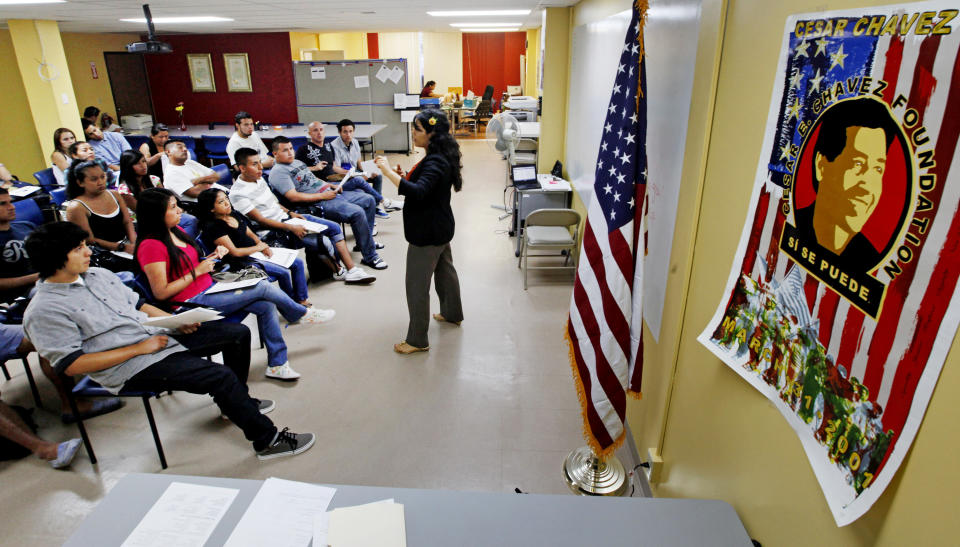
(129, 84)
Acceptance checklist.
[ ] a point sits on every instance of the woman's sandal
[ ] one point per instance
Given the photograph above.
(441, 318)
(407, 349)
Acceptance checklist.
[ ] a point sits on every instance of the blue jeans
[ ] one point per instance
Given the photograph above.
(292, 280)
(361, 185)
(262, 300)
(358, 210)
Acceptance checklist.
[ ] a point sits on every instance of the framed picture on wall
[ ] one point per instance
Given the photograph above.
(201, 72)
(238, 72)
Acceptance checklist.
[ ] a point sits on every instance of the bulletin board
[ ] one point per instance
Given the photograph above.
(361, 90)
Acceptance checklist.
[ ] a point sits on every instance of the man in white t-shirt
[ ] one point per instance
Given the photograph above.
(185, 177)
(246, 137)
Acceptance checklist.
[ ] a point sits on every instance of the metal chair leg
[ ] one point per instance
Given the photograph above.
(83, 430)
(153, 429)
(33, 383)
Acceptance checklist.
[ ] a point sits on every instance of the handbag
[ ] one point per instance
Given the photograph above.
(243, 274)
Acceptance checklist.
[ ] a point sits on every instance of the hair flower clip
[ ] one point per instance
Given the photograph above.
(432, 121)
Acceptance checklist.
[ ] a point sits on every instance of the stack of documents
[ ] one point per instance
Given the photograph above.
(282, 513)
(189, 317)
(310, 226)
(379, 524)
(280, 256)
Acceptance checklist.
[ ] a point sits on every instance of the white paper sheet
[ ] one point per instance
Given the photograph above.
(310, 226)
(189, 317)
(321, 527)
(407, 116)
(281, 256)
(122, 254)
(318, 72)
(221, 286)
(23, 191)
(184, 515)
(396, 74)
(361, 81)
(399, 101)
(374, 524)
(413, 100)
(281, 514)
(383, 74)
(369, 167)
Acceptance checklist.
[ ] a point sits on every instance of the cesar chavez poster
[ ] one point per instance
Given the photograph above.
(842, 300)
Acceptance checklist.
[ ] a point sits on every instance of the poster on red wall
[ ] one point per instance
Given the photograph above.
(842, 301)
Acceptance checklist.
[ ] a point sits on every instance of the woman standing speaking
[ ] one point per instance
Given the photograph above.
(428, 226)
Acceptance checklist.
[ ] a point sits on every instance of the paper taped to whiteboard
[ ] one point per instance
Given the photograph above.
(361, 81)
(318, 73)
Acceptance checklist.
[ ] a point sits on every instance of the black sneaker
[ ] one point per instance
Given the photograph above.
(377, 264)
(265, 405)
(376, 244)
(287, 444)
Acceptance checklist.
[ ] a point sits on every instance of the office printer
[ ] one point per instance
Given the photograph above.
(136, 123)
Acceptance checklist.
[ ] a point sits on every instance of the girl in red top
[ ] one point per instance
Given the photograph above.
(171, 261)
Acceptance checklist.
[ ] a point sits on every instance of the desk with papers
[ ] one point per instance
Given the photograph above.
(439, 517)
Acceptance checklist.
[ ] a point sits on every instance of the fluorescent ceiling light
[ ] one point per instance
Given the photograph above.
(481, 13)
(166, 20)
(15, 2)
(486, 25)
(512, 29)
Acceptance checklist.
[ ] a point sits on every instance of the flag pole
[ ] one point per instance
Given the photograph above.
(588, 475)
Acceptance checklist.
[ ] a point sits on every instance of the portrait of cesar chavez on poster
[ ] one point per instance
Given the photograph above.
(853, 185)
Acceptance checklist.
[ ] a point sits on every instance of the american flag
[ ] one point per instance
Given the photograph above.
(606, 355)
(907, 343)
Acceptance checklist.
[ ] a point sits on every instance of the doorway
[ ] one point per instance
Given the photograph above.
(129, 84)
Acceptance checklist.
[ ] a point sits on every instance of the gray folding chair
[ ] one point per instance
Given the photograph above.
(553, 230)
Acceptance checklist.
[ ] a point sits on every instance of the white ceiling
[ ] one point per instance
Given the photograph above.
(274, 15)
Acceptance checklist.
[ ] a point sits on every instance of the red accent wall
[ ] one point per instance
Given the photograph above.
(492, 58)
(373, 45)
(274, 97)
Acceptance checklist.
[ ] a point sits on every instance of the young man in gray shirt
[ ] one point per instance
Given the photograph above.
(86, 321)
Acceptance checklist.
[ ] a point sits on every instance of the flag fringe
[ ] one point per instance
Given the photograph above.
(635, 394)
(598, 451)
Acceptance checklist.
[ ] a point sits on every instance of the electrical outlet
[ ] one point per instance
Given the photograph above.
(656, 463)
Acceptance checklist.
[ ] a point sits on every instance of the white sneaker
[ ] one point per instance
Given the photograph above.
(340, 275)
(283, 372)
(317, 315)
(358, 276)
(375, 231)
(392, 204)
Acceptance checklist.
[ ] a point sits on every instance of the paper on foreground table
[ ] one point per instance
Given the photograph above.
(185, 514)
(282, 513)
(379, 524)
(189, 317)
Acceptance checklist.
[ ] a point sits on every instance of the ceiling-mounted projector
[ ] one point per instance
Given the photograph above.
(152, 45)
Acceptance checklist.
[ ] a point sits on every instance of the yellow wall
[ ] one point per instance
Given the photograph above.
(19, 147)
(81, 50)
(443, 59)
(533, 55)
(556, 65)
(301, 40)
(353, 44)
(719, 437)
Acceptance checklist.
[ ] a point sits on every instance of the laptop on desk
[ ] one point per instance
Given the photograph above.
(525, 177)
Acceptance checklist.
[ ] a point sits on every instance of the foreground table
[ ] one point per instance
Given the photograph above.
(440, 517)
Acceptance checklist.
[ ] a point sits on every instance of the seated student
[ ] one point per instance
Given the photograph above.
(346, 154)
(108, 145)
(171, 261)
(60, 158)
(153, 149)
(135, 178)
(85, 321)
(319, 158)
(428, 90)
(14, 429)
(82, 150)
(91, 113)
(246, 137)
(251, 196)
(100, 213)
(107, 123)
(185, 177)
(294, 181)
(224, 226)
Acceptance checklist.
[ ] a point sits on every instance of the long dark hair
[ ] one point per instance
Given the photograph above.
(435, 123)
(151, 209)
(134, 182)
(205, 202)
(76, 172)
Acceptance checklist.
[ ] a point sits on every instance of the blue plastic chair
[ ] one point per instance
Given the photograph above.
(47, 180)
(136, 141)
(29, 210)
(58, 196)
(216, 147)
(226, 178)
(297, 142)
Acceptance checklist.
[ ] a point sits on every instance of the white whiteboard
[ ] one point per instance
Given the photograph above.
(671, 44)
